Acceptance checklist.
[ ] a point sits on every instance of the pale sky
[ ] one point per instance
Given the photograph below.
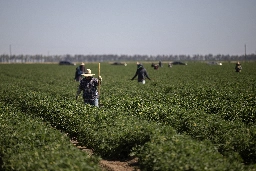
(129, 27)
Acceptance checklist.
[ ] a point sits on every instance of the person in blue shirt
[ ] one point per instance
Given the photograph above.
(79, 71)
(89, 86)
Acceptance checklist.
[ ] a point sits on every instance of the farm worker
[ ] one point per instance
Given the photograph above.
(170, 65)
(160, 63)
(156, 67)
(141, 72)
(89, 87)
(79, 71)
(238, 67)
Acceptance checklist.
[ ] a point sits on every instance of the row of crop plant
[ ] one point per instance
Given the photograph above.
(112, 134)
(28, 144)
(133, 119)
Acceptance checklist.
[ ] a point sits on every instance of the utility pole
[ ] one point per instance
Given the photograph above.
(10, 47)
(245, 52)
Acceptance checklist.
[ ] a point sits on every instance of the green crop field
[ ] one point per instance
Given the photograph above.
(193, 117)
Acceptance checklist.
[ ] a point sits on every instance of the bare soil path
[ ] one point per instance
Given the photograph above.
(108, 165)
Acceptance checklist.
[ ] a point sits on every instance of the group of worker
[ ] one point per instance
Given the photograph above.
(88, 84)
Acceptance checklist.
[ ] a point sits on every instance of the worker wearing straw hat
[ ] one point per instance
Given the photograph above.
(89, 87)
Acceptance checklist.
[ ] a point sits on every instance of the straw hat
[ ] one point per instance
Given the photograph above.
(82, 63)
(88, 73)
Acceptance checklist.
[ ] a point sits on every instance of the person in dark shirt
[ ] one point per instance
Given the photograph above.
(160, 63)
(142, 74)
(89, 87)
(238, 67)
(79, 71)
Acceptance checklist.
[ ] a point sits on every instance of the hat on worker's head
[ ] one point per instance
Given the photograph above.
(82, 63)
(88, 73)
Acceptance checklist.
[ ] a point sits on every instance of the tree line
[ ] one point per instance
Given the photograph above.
(4, 58)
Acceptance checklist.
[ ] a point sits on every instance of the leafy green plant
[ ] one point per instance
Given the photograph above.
(208, 108)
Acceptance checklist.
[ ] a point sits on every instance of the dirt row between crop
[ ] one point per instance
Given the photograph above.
(108, 165)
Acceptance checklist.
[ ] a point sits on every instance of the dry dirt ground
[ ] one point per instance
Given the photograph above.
(107, 165)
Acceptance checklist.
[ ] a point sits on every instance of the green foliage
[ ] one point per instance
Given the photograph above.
(29, 144)
(179, 152)
(193, 116)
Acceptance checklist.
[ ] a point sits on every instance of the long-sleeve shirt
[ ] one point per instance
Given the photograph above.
(79, 70)
(89, 88)
(142, 74)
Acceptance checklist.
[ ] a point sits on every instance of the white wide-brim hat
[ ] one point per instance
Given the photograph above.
(88, 73)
